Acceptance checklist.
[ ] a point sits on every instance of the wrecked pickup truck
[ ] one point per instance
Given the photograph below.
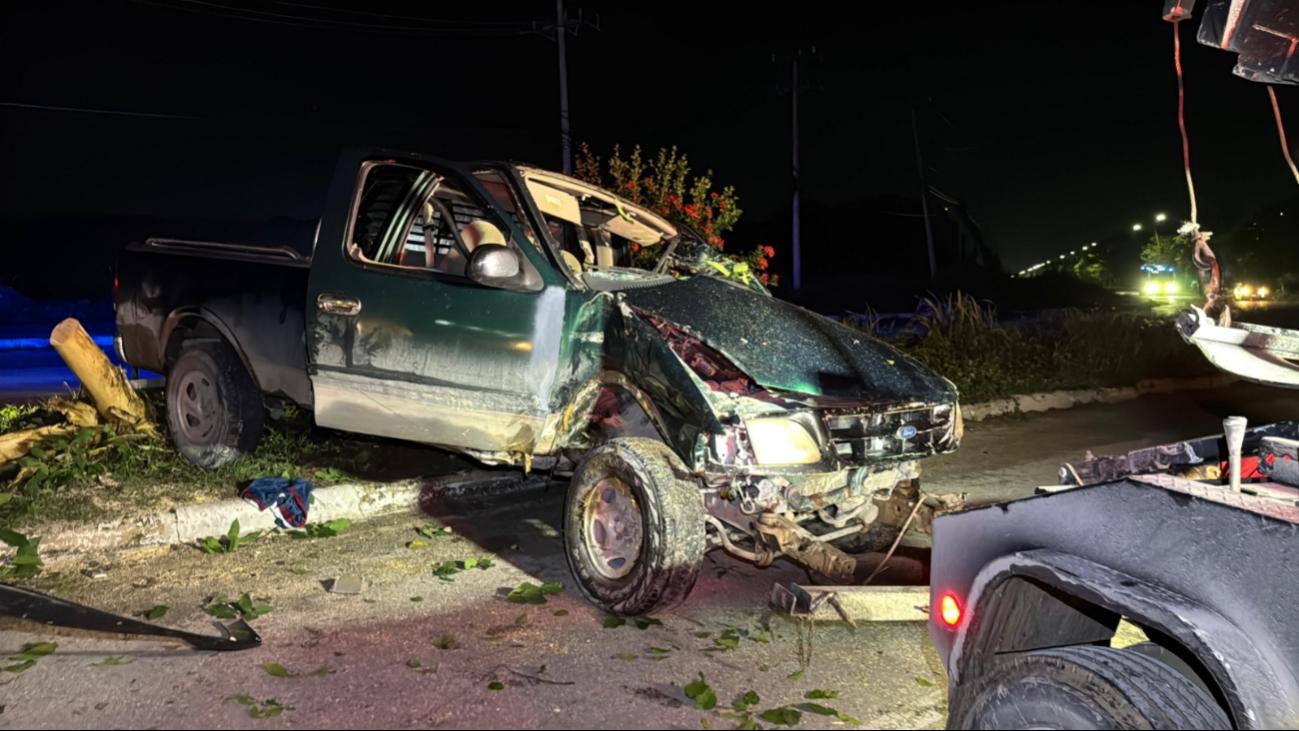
(482, 308)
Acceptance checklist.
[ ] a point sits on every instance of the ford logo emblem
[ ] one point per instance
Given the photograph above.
(906, 432)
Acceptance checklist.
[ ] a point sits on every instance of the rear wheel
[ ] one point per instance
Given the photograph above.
(214, 408)
(634, 527)
(1083, 688)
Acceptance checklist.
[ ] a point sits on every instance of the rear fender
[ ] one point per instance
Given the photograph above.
(190, 314)
(1259, 690)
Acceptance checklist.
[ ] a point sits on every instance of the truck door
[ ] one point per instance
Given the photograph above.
(401, 344)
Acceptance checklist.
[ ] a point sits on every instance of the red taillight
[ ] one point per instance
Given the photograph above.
(951, 610)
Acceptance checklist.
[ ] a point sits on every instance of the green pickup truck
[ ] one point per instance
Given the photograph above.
(488, 308)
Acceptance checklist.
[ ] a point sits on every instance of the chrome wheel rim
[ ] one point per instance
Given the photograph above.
(612, 528)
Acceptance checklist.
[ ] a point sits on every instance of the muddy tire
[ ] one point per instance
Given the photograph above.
(1083, 688)
(634, 529)
(214, 408)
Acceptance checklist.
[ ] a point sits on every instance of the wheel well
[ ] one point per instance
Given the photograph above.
(194, 327)
(608, 409)
(1023, 614)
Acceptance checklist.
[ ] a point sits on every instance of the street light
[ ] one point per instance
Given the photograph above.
(1161, 218)
(1136, 227)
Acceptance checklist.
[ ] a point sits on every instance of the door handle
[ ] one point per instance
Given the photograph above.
(338, 304)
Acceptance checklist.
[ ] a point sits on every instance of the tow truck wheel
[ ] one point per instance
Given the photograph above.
(634, 528)
(1083, 688)
(214, 409)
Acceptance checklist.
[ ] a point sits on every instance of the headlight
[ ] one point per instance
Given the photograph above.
(1171, 288)
(1262, 291)
(1152, 288)
(782, 442)
(1242, 291)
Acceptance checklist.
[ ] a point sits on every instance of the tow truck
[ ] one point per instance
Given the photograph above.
(1192, 543)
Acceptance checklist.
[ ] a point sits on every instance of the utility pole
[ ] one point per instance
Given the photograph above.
(796, 86)
(924, 195)
(798, 247)
(560, 23)
(564, 25)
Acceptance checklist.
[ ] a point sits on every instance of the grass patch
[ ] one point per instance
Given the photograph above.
(99, 472)
(962, 339)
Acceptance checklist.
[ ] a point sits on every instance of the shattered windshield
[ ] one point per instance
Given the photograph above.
(612, 243)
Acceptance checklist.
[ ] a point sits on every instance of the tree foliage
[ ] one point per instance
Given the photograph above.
(667, 185)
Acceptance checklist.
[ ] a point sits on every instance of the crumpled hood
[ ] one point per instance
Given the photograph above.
(785, 347)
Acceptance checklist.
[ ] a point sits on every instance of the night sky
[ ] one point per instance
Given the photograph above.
(1055, 122)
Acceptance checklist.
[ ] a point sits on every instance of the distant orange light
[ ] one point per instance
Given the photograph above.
(951, 610)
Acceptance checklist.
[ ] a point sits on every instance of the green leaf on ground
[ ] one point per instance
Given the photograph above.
(495, 685)
(414, 664)
(527, 593)
(157, 612)
(702, 694)
(417, 544)
(795, 676)
(821, 694)
(213, 545)
(112, 662)
(561, 613)
(553, 588)
(644, 623)
(522, 620)
(781, 716)
(268, 709)
(19, 667)
(924, 683)
(746, 701)
(417, 598)
(275, 670)
(703, 635)
(625, 656)
(299, 572)
(36, 651)
(244, 699)
(486, 563)
(658, 653)
(445, 642)
(433, 531)
(611, 622)
(447, 570)
(764, 667)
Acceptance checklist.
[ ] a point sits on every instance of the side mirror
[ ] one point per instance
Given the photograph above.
(492, 265)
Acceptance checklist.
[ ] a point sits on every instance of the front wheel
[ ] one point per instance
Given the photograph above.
(634, 527)
(1083, 688)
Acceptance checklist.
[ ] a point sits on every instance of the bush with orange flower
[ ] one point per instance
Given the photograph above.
(664, 185)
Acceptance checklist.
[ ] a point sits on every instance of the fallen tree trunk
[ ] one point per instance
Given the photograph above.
(17, 444)
(106, 383)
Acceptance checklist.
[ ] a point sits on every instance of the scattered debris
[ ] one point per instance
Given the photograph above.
(495, 685)
(288, 500)
(261, 709)
(702, 694)
(112, 662)
(432, 531)
(561, 613)
(527, 593)
(222, 607)
(27, 659)
(611, 622)
(350, 584)
(275, 670)
(445, 642)
(925, 683)
(157, 612)
(21, 603)
(417, 598)
(26, 563)
(321, 530)
(795, 675)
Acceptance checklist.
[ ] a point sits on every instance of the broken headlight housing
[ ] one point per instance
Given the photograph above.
(782, 442)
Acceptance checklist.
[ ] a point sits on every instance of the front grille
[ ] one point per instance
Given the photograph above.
(859, 438)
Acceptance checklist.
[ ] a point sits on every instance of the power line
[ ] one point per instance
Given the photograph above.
(84, 110)
(386, 15)
(298, 21)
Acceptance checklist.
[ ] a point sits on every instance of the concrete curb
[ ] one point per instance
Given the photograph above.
(192, 523)
(1037, 402)
(360, 501)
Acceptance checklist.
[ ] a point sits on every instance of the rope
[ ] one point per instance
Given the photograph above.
(1280, 128)
(1181, 116)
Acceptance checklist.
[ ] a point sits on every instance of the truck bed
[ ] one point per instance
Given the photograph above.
(253, 296)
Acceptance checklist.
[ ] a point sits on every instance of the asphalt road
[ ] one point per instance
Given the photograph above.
(350, 657)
